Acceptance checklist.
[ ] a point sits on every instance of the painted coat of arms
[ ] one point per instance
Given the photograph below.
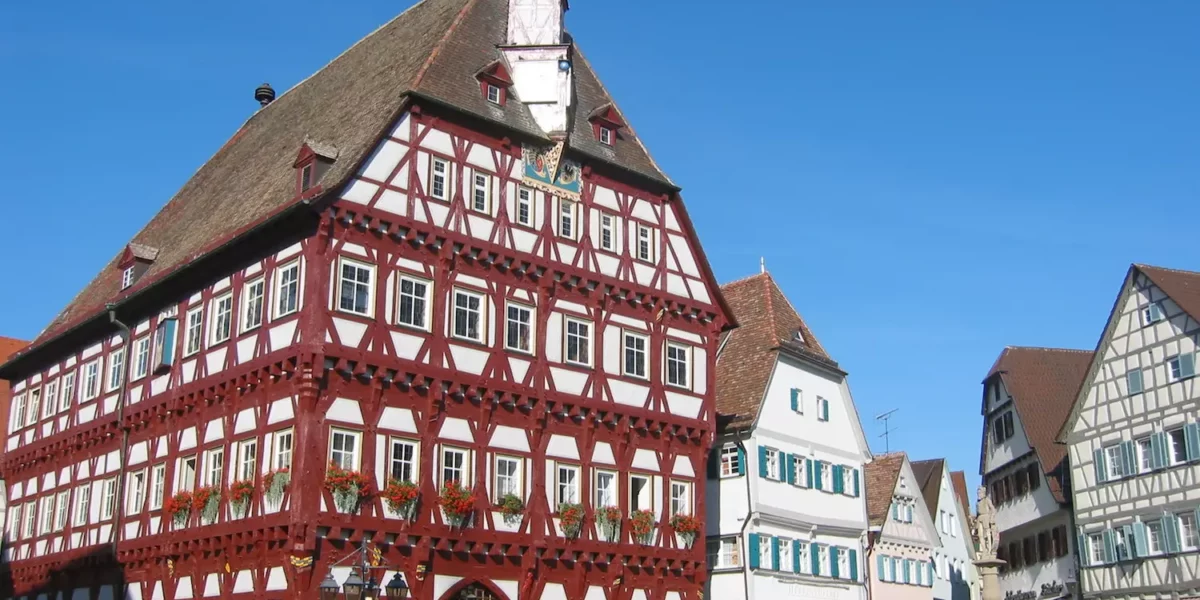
(546, 170)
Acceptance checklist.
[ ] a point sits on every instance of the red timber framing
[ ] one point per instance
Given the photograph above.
(300, 371)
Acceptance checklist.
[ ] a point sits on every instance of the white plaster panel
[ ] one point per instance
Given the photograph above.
(360, 192)
(562, 446)
(456, 429)
(345, 410)
(214, 431)
(280, 410)
(510, 438)
(469, 360)
(568, 381)
(350, 332)
(645, 459)
(245, 421)
(602, 453)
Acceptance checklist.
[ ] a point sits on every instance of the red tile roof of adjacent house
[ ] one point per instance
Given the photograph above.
(959, 480)
(881, 475)
(768, 323)
(1183, 287)
(8, 347)
(1043, 383)
(430, 52)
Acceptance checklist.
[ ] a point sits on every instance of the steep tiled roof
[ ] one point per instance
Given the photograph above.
(929, 478)
(881, 475)
(432, 50)
(958, 480)
(8, 347)
(1183, 287)
(768, 322)
(1043, 383)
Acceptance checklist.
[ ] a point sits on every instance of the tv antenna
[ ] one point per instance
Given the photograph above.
(887, 429)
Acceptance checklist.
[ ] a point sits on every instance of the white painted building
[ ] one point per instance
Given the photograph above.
(785, 505)
(902, 537)
(955, 576)
(1134, 444)
(1027, 395)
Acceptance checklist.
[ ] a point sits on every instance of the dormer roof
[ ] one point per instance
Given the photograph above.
(881, 476)
(496, 71)
(137, 252)
(607, 115)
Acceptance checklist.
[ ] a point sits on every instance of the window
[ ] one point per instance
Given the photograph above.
(195, 324)
(91, 380)
(355, 287)
(806, 562)
(221, 324)
(306, 177)
(18, 412)
(681, 498)
(46, 519)
(116, 369)
(519, 330)
(403, 463)
(1152, 314)
(566, 219)
(725, 553)
(141, 357)
(1120, 547)
(823, 560)
(62, 506)
(1035, 477)
(438, 170)
(135, 496)
(68, 391)
(608, 240)
(1115, 464)
(35, 403)
(14, 522)
(287, 289)
(1058, 538)
(1133, 381)
(481, 192)
(83, 504)
(605, 136)
(282, 458)
(731, 461)
(645, 248)
(468, 315)
(764, 552)
(567, 485)
(454, 466)
(771, 459)
(944, 521)
(127, 277)
(579, 342)
(108, 498)
(525, 207)
(785, 556)
(493, 94)
(1043, 546)
(1154, 537)
(51, 401)
(185, 478)
(677, 364)
(1187, 531)
(1182, 366)
(343, 448)
(413, 307)
(252, 304)
(1144, 455)
(214, 467)
(1002, 427)
(247, 460)
(158, 486)
(508, 478)
(1178, 446)
(1096, 546)
(30, 519)
(639, 493)
(634, 364)
(606, 489)
(800, 466)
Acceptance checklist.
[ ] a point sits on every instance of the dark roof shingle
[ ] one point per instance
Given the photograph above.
(880, 476)
(767, 322)
(1043, 383)
(929, 478)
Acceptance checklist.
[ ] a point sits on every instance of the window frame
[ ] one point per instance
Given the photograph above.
(62, 509)
(597, 502)
(626, 336)
(139, 363)
(280, 285)
(605, 135)
(608, 226)
(1145, 459)
(465, 467)
(517, 477)
(1175, 446)
(491, 87)
(158, 485)
(650, 256)
(734, 462)
(567, 214)
(649, 479)
(135, 495)
(66, 391)
(277, 453)
(361, 266)
(92, 391)
(575, 486)
(115, 374)
(355, 454)
(688, 499)
(1187, 524)
(426, 301)
(434, 162)
(481, 315)
(686, 361)
(1114, 465)
(214, 473)
(247, 466)
(476, 188)
(530, 325)
(193, 333)
(1149, 314)
(127, 277)
(108, 498)
(524, 198)
(1154, 538)
(413, 463)
(221, 322)
(567, 335)
(733, 553)
(248, 299)
(50, 399)
(771, 459)
(183, 464)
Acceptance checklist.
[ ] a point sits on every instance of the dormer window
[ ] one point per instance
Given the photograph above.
(313, 160)
(606, 136)
(127, 277)
(134, 262)
(606, 123)
(494, 82)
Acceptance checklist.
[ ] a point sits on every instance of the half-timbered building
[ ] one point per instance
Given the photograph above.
(1134, 442)
(1027, 396)
(438, 297)
(902, 538)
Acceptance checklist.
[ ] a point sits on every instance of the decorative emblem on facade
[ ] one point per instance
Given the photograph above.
(301, 562)
(421, 568)
(546, 170)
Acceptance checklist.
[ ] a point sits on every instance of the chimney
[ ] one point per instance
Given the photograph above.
(540, 59)
(264, 94)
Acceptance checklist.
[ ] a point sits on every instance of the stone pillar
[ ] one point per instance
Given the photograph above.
(989, 578)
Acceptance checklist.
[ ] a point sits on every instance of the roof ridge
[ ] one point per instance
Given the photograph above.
(770, 309)
(745, 279)
(437, 48)
(1173, 270)
(1048, 349)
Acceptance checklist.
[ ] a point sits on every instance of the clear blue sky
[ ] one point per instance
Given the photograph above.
(929, 181)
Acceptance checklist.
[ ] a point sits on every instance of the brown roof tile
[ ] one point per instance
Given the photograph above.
(1043, 383)
(1183, 287)
(880, 476)
(8, 347)
(767, 322)
(433, 50)
(929, 478)
(958, 480)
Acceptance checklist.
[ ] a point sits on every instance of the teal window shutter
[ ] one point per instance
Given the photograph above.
(824, 409)
(1136, 538)
(895, 510)
(795, 399)
(781, 458)
(833, 562)
(808, 471)
(1098, 463)
(789, 469)
(754, 553)
(775, 554)
(1170, 529)
(1156, 450)
(853, 564)
(1110, 547)
(1191, 437)
(762, 461)
(818, 467)
(838, 482)
(904, 571)
(857, 492)
(814, 553)
(795, 556)
(1130, 550)
(1129, 454)
(1084, 549)
(1133, 380)
(714, 463)
(1187, 365)
(879, 566)
(741, 470)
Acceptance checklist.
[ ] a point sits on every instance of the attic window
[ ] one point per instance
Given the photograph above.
(606, 136)
(127, 277)
(306, 177)
(494, 82)
(494, 94)
(313, 160)
(134, 262)
(606, 124)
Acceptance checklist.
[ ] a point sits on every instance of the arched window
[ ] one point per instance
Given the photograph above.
(476, 592)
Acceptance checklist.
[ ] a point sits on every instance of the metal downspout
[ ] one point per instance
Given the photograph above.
(746, 521)
(119, 493)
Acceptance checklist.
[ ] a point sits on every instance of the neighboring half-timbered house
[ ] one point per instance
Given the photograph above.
(902, 538)
(1134, 441)
(445, 260)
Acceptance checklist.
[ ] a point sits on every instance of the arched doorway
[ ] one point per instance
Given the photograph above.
(474, 590)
